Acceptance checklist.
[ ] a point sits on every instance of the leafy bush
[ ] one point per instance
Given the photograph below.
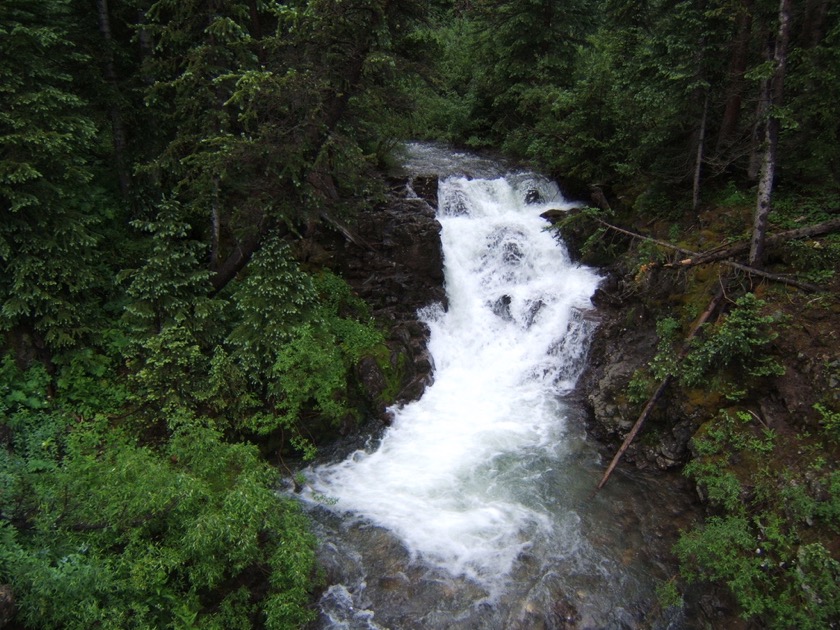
(293, 349)
(739, 341)
(830, 421)
(770, 539)
(773, 577)
(99, 530)
(663, 364)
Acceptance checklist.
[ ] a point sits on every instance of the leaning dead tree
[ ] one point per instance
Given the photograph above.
(773, 91)
(663, 385)
(739, 249)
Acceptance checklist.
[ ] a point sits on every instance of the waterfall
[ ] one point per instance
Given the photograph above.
(475, 483)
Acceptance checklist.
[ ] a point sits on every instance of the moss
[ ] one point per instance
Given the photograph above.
(393, 365)
(705, 400)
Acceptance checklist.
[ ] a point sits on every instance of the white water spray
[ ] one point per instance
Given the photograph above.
(458, 476)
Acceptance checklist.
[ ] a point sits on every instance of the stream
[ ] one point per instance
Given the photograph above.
(476, 507)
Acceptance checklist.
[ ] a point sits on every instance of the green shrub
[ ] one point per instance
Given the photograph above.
(739, 341)
(766, 540)
(100, 530)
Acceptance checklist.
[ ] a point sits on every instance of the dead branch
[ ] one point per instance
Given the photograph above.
(775, 277)
(676, 248)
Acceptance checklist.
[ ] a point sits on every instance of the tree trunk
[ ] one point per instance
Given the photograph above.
(764, 201)
(117, 126)
(759, 128)
(813, 27)
(722, 253)
(144, 41)
(751, 270)
(698, 165)
(216, 225)
(737, 68)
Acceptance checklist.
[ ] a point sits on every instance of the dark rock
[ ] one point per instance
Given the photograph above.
(8, 607)
(573, 188)
(625, 342)
(373, 383)
(394, 262)
(426, 187)
(501, 307)
(533, 196)
(620, 347)
(554, 215)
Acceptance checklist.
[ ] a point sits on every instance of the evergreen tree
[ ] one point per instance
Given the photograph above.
(50, 206)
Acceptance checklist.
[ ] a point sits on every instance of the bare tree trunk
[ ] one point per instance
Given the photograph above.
(764, 201)
(698, 165)
(216, 224)
(816, 12)
(144, 40)
(759, 128)
(737, 68)
(117, 126)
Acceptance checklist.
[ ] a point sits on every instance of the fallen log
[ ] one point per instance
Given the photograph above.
(660, 390)
(676, 248)
(714, 255)
(775, 277)
(729, 263)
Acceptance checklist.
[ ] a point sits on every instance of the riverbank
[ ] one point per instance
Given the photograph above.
(749, 414)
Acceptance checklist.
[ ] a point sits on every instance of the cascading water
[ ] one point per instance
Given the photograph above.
(473, 510)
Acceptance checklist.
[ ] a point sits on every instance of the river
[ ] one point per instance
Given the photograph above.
(476, 507)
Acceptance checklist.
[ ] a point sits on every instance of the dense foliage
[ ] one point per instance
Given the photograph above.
(157, 161)
(102, 530)
(623, 94)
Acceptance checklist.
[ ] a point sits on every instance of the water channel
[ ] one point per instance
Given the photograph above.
(476, 509)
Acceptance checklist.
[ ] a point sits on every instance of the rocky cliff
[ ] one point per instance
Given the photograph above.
(391, 255)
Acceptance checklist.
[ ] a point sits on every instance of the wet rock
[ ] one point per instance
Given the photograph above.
(710, 606)
(501, 307)
(619, 348)
(554, 215)
(426, 187)
(533, 196)
(374, 384)
(565, 614)
(672, 449)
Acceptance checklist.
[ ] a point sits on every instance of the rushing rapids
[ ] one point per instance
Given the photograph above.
(475, 508)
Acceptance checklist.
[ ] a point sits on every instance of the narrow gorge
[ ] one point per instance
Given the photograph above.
(475, 507)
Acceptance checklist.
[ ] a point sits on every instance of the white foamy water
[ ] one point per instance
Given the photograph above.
(458, 477)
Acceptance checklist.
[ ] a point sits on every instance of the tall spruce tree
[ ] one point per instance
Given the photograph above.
(50, 206)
